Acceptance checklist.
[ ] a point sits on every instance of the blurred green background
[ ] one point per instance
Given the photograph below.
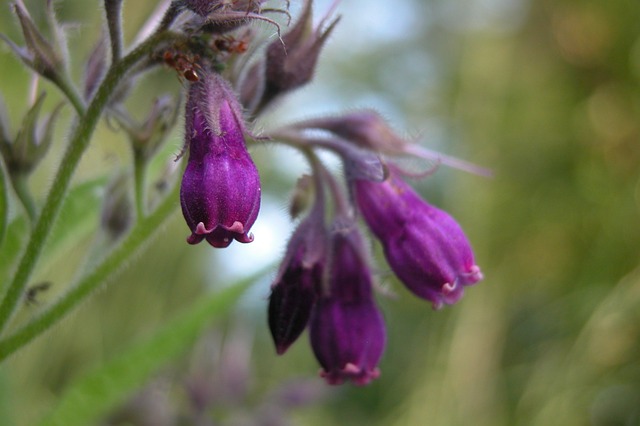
(546, 93)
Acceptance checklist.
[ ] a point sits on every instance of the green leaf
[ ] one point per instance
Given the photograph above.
(78, 219)
(88, 399)
(15, 237)
(6, 396)
(78, 216)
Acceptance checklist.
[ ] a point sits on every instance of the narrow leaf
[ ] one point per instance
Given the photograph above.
(91, 397)
(79, 215)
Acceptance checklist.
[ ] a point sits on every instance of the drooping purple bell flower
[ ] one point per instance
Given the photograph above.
(346, 328)
(298, 282)
(425, 246)
(220, 192)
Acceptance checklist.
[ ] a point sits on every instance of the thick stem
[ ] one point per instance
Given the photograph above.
(343, 206)
(113, 9)
(139, 235)
(78, 143)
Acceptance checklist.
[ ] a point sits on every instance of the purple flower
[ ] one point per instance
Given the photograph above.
(220, 192)
(295, 289)
(346, 328)
(425, 246)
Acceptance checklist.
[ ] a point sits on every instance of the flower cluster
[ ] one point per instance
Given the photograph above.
(325, 282)
(231, 76)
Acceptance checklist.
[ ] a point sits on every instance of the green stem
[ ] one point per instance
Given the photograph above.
(140, 171)
(138, 236)
(78, 144)
(4, 203)
(113, 9)
(21, 188)
(69, 89)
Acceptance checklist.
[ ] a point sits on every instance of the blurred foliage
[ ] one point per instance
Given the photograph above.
(547, 94)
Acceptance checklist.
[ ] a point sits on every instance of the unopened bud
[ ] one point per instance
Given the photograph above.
(117, 211)
(302, 196)
(39, 54)
(95, 68)
(33, 139)
(369, 130)
(251, 86)
(148, 137)
(366, 129)
(291, 62)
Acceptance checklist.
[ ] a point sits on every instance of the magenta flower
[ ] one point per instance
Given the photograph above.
(425, 246)
(220, 192)
(346, 328)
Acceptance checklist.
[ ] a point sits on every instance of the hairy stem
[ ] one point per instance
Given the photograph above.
(79, 141)
(139, 175)
(113, 9)
(4, 203)
(139, 235)
(69, 90)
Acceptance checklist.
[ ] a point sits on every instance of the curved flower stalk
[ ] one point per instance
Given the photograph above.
(220, 193)
(368, 130)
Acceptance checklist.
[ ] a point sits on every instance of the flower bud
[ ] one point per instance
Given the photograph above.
(294, 291)
(39, 53)
(302, 196)
(251, 86)
(365, 128)
(220, 191)
(95, 68)
(147, 138)
(346, 328)
(33, 139)
(117, 212)
(290, 63)
(425, 246)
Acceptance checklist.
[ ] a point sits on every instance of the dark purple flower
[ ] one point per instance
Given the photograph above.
(425, 246)
(295, 289)
(346, 328)
(220, 192)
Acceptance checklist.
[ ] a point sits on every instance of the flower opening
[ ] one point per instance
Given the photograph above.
(425, 246)
(220, 192)
(347, 331)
